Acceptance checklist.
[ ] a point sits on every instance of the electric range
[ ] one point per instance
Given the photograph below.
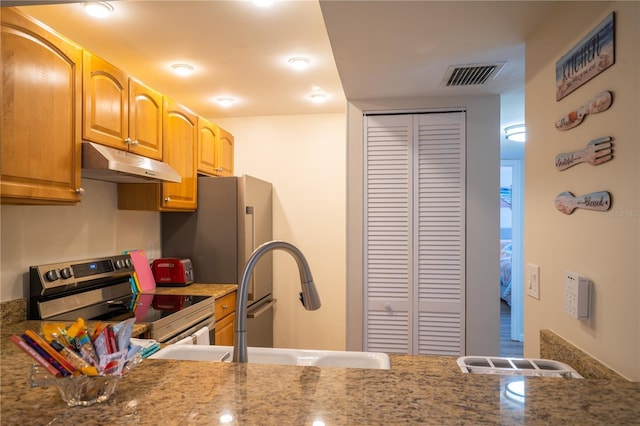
(101, 289)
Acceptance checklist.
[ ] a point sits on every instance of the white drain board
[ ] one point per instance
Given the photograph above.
(516, 366)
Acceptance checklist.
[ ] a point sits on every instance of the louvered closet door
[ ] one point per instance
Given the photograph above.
(439, 237)
(414, 234)
(388, 234)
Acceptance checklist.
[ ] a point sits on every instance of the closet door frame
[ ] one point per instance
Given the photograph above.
(432, 307)
(483, 212)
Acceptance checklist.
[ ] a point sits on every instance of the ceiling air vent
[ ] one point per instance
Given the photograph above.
(471, 75)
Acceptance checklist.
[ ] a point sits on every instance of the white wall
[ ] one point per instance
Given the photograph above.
(34, 235)
(483, 216)
(605, 247)
(304, 157)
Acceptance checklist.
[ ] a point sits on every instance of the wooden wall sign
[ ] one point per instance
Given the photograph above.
(598, 151)
(592, 55)
(566, 202)
(600, 102)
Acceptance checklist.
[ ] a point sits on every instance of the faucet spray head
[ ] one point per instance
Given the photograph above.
(309, 296)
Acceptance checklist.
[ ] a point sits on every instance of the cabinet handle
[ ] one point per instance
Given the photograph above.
(135, 142)
(218, 169)
(80, 191)
(168, 199)
(127, 141)
(225, 307)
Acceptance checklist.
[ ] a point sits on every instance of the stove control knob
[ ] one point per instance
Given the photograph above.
(65, 273)
(119, 264)
(127, 262)
(51, 275)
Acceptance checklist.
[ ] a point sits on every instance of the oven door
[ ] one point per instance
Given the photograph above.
(193, 335)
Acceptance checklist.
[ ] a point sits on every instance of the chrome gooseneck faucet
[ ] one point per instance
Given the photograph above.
(308, 296)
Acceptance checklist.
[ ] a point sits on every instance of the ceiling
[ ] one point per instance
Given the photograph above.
(359, 49)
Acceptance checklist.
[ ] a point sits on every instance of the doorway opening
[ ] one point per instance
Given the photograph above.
(511, 258)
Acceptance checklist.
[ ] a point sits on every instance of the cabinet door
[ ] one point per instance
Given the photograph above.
(41, 114)
(225, 330)
(106, 103)
(207, 146)
(225, 305)
(180, 132)
(145, 120)
(224, 165)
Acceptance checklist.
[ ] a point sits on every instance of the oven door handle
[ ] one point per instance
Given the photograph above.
(190, 332)
(262, 309)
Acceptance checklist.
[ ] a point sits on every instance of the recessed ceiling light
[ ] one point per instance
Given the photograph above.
(225, 101)
(100, 9)
(182, 69)
(299, 63)
(263, 3)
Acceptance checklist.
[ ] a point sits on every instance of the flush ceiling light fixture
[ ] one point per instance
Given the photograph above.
(299, 63)
(182, 69)
(100, 9)
(516, 133)
(318, 97)
(225, 101)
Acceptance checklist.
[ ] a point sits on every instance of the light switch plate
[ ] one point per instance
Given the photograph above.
(533, 281)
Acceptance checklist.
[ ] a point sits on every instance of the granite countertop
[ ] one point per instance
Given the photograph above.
(199, 289)
(417, 390)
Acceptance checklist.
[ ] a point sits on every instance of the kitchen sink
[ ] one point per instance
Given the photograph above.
(256, 355)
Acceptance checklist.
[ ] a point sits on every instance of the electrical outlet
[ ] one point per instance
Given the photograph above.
(577, 295)
(533, 280)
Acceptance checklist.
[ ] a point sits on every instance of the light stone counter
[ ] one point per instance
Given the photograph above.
(417, 390)
(199, 289)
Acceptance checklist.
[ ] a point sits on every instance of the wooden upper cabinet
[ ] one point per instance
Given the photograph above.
(225, 143)
(145, 120)
(106, 102)
(120, 111)
(41, 114)
(179, 134)
(207, 145)
(215, 149)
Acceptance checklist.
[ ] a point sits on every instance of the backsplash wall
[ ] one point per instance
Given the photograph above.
(33, 235)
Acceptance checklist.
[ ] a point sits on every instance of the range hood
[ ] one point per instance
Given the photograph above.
(112, 165)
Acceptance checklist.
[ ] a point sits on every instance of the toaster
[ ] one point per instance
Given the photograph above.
(172, 271)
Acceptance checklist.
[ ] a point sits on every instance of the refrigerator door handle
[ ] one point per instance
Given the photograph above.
(261, 309)
(250, 245)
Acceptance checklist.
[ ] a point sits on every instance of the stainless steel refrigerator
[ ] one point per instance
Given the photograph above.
(234, 216)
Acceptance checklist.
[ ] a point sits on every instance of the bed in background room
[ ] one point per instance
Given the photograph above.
(505, 270)
(505, 244)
